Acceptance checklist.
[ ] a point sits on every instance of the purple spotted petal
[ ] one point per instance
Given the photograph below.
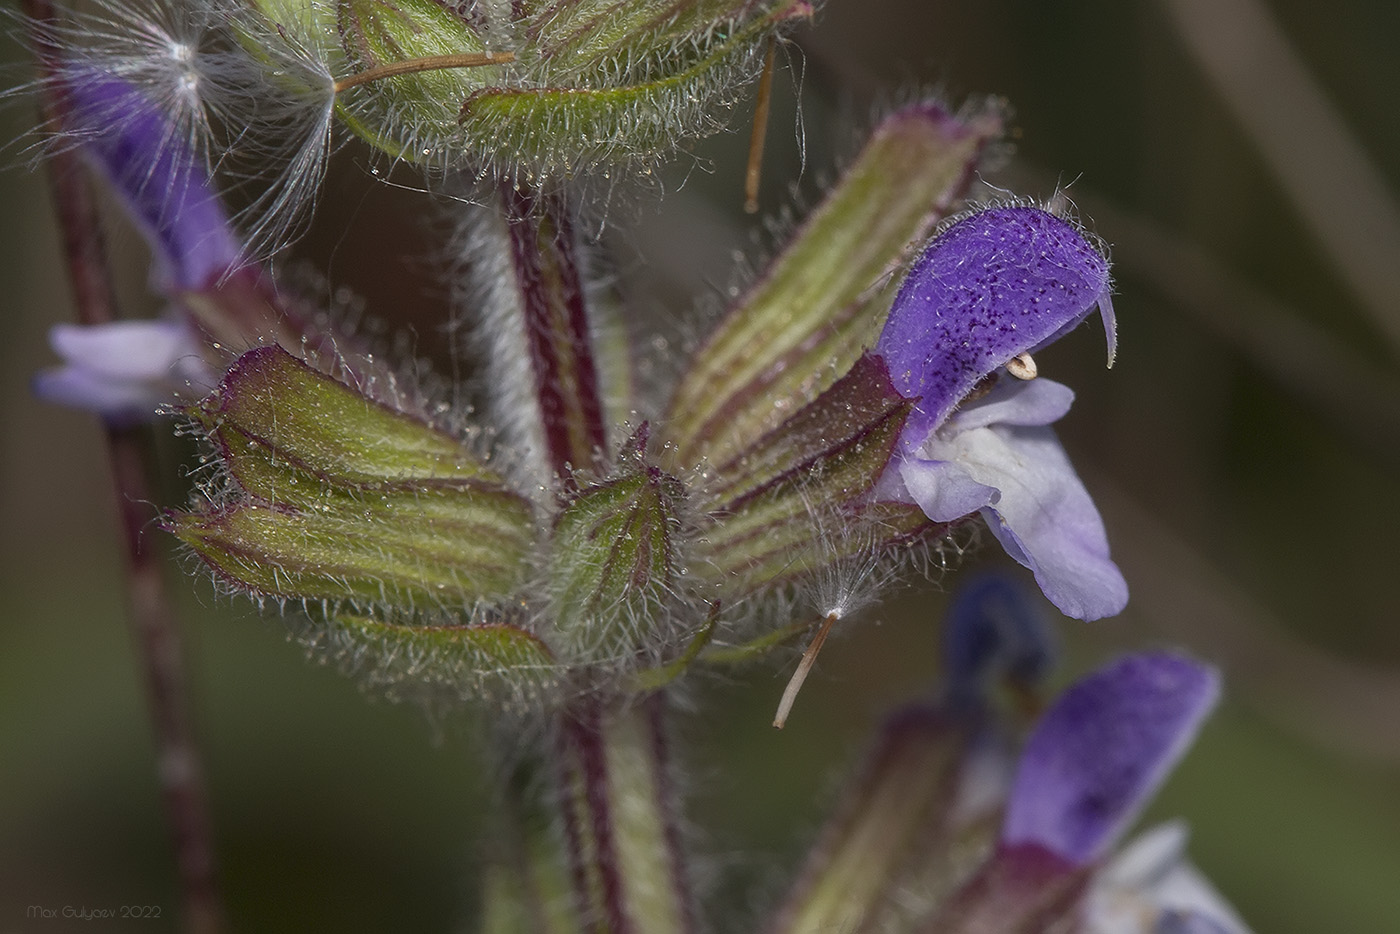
(159, 177)
(999, 283)
(1100, 752)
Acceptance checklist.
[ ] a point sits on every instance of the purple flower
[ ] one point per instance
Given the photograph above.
(1101, 751)
(998, 284)
(993, 630)
(153, 166)
(125, 370)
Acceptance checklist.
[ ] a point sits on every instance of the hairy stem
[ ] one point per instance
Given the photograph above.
(152, 619)
(544, 254)
(621, 828)
(526, 887)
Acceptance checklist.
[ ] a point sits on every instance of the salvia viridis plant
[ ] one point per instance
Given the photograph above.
(566, 556)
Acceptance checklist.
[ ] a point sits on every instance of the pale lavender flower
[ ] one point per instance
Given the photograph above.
(999, 284)
(1099, 754)
(125, 370)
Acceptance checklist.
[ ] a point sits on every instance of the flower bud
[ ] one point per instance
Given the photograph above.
(614, 565)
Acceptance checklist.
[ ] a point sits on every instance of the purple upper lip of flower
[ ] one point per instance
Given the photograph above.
(999, 283)
(124, 370)
(161, 179)
(1099, 754)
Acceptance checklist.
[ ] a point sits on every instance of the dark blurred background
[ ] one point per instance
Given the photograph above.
(1243, 160)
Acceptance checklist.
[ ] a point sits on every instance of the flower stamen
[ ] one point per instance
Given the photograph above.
(1022, 366)
(760, 129)
(809, 658)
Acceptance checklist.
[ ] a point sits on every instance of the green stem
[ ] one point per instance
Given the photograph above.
(620, 821)
(526, 887)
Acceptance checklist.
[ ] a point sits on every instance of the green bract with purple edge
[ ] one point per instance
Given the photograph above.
(998, 284)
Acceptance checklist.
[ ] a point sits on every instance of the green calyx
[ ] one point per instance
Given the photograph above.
(329, 429)
(410, 116)
(797, 501)
(618, 86)
(337, 498)
(537, 93)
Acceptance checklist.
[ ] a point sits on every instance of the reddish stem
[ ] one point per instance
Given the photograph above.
(594, 861)
(668, 797)
(599, 807)
(152, 619)
(557, 332)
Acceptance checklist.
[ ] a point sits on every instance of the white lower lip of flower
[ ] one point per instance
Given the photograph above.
(1149, 877)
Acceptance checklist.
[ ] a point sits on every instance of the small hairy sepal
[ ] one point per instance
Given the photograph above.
(614, 568)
